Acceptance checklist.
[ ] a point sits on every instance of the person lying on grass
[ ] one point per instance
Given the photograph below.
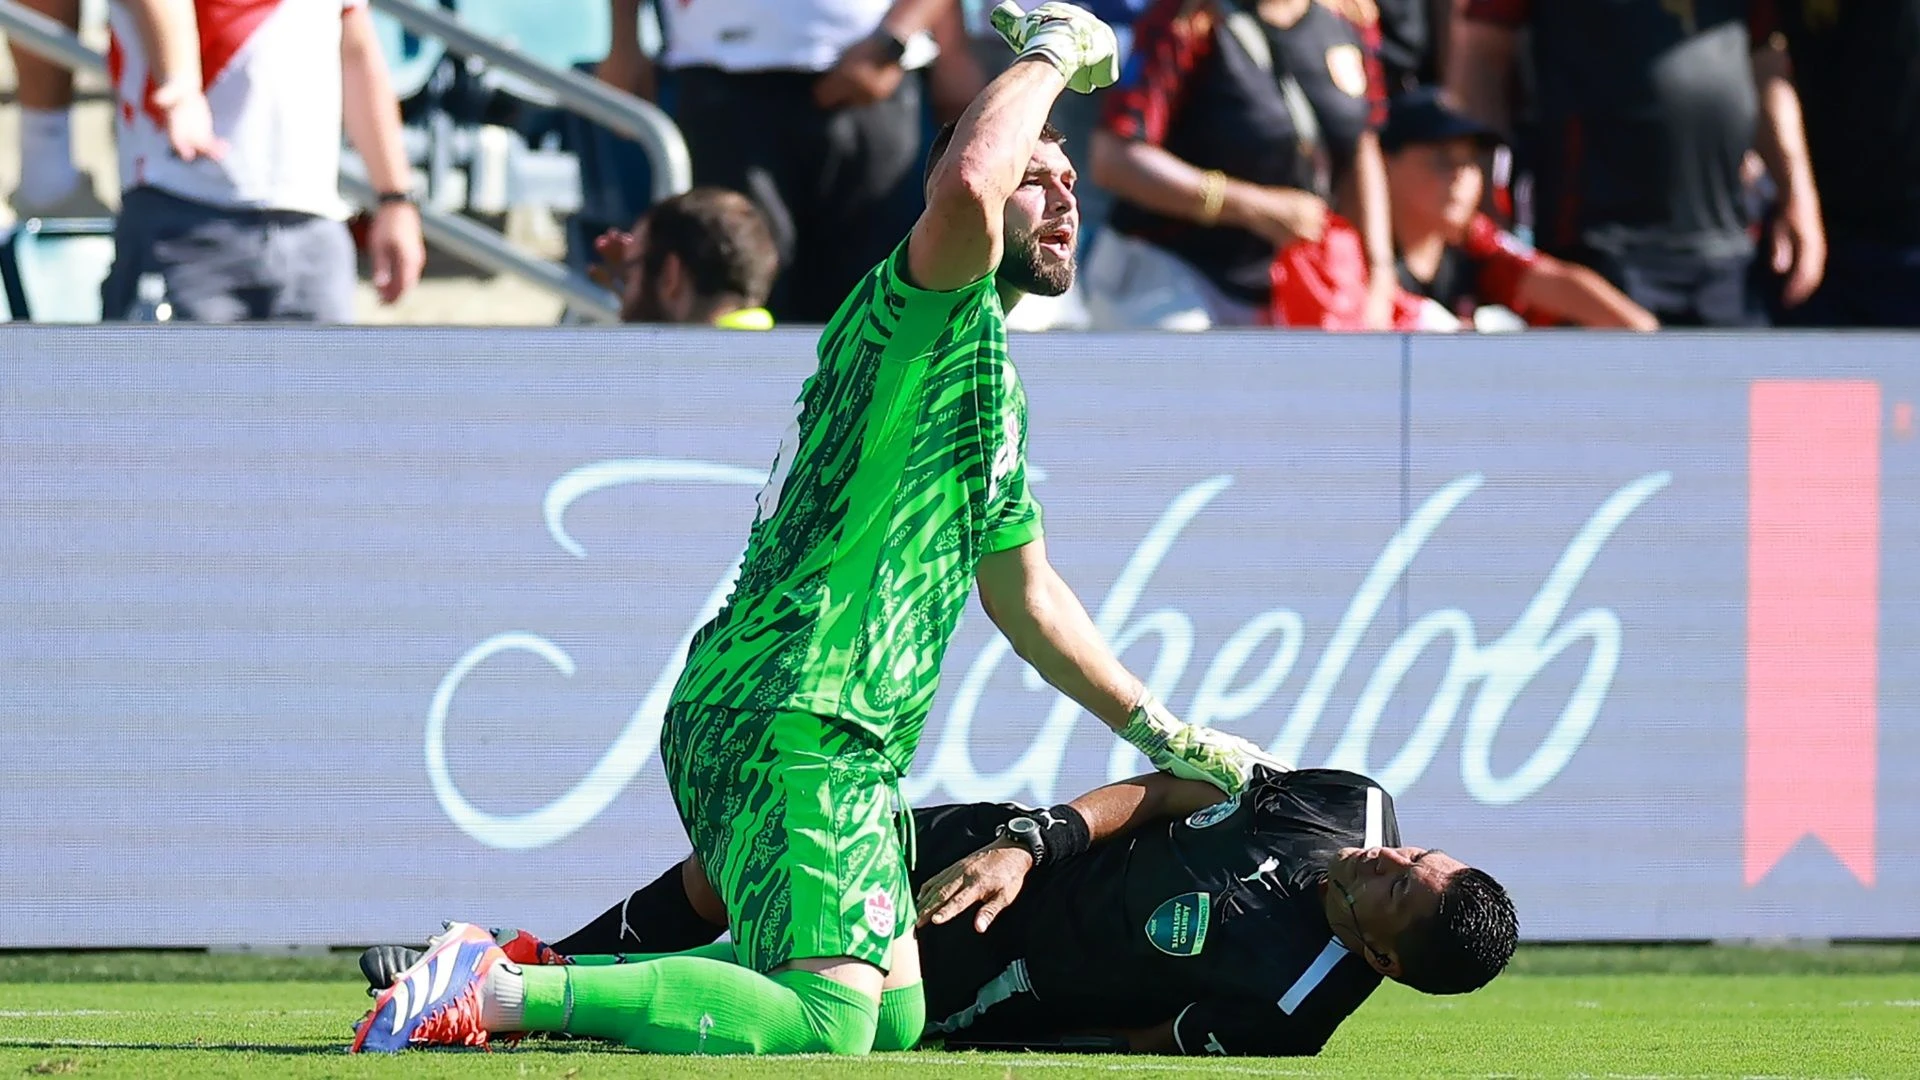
(1146, 916)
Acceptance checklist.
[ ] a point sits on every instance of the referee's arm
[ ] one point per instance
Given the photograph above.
(1125, 805)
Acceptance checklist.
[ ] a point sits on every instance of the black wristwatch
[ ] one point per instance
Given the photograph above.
(388, 198)
(895, 47)
(1026, 832)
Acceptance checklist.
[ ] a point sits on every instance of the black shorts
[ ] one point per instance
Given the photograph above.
(957, 960)
(946, 834)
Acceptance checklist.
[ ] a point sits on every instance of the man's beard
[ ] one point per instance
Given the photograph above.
(1021, 268)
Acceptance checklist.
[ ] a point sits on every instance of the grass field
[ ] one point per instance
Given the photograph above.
(1588, 1012)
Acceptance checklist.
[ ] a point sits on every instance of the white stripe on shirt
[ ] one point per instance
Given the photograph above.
(1316, 972)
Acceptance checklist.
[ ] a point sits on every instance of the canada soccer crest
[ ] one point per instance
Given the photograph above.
(880, 912)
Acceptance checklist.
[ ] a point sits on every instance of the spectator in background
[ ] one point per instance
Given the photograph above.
(229, 140)
(1856, 68)
(1409, 42)
(50, 185)
(1452, 253)
(703, 257)
(1233, 124)
(1643, 111)
(810, 107)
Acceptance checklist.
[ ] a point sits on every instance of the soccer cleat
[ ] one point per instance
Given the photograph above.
(383, 964)
(523, 948)
(436, 1001)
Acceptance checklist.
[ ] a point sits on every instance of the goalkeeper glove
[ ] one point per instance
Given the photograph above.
(1195, 753)
(1072, 39)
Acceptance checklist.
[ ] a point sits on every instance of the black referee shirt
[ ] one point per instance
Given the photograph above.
(1215, 921)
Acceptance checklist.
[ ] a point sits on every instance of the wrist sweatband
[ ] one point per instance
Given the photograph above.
(1065, 832)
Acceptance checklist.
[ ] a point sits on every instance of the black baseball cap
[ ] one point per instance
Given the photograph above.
(1422, 115)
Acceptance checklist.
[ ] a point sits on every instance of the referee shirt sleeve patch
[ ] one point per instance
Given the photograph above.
(1316, 972)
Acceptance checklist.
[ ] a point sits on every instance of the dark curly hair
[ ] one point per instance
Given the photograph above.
(1466, 942)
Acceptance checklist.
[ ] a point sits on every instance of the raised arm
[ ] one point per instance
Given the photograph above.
(958, 239)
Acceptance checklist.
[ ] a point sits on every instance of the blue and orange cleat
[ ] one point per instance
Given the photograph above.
(524, 949)
(435, 1002)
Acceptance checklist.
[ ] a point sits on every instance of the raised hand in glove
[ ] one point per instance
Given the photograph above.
(1070, 38)
(1195, 753)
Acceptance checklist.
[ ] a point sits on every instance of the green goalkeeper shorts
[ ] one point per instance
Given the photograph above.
(799, 823)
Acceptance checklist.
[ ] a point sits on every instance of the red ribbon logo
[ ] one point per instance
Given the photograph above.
(1813, 614)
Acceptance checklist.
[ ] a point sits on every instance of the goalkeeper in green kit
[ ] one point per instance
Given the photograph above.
(901, 483)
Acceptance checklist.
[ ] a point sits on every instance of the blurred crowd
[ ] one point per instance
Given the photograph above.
(1336, 164)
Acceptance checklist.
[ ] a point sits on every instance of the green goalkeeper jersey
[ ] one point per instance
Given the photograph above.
(905, 463)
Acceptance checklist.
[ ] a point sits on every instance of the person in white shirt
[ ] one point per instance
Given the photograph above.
(810, 107)
(229, 121)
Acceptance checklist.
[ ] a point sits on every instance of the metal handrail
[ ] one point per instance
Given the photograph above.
(452, 233)
(47, 38)
(483, 247)
(621, 112)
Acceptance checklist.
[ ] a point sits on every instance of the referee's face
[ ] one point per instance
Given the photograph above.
(1376, 894)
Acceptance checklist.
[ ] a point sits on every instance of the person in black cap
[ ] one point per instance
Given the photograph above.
(1450, 252)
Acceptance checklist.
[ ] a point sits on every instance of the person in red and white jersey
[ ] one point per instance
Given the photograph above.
(229, 117)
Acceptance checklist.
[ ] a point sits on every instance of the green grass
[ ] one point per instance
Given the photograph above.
(1563, 1012)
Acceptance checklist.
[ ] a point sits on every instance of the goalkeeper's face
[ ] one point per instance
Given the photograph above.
(1042, 226)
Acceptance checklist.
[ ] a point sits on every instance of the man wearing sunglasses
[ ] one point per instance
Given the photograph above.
(1145, 916)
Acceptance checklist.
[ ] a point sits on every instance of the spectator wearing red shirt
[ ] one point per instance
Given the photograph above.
(1856, 69)
(1233, 124)
(1640, 115)
(1452, 253)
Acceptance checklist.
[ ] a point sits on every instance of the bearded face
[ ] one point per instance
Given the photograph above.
(1042, 225)
(1039, 261)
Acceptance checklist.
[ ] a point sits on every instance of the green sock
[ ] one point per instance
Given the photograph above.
(903, 1017)
(694, 1005)
(719, 950)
